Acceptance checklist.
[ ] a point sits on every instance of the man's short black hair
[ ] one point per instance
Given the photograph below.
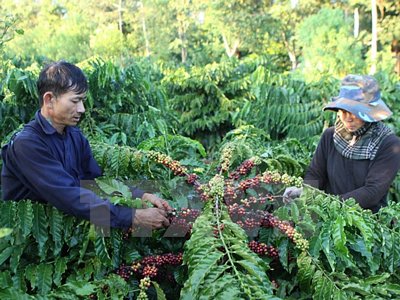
(59, 78)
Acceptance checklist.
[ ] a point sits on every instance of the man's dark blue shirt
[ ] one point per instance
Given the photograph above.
(42, 165)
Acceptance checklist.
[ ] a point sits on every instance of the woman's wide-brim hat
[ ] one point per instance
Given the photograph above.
(361, 96)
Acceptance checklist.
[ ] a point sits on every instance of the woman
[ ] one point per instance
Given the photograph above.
(358, 157)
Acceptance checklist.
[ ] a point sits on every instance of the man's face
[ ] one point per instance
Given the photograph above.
(67, 109)
(350, 121)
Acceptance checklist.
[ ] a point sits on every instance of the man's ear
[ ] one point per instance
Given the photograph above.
(48, 99)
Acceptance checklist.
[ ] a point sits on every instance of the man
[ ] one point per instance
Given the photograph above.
(359, 157)
(47, 160)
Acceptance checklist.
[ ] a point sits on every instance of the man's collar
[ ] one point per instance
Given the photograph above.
(46, 126)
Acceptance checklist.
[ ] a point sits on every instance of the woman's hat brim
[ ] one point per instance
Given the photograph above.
(368, 112)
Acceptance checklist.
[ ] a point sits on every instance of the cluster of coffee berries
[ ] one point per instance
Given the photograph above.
(229, 192)
(236, 211)
(276, 178)
(216, 187)
(268, 220)
(300, 242)
(125, 272)
(249, 183)
(168, 162)
(286, 179)
(263, 249)
(127, 233)
(226, 157)
(242, 170)
(251, 223)
(183, 218)
(243, 212)
(149, 265)
(274, 284)
(189, 213)
(203, 190)
(163, 259)
(150, 271)
(286, 228)
(136, 266)
(252, 202)
(144, 284)
(271, 177)
(192, 179)
(142, 295)
(234, 195)
(216, 231)
(248, 219)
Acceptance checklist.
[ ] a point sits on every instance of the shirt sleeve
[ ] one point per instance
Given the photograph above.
(136, 192)
(316, 174)
(45, 175)
(380, 175)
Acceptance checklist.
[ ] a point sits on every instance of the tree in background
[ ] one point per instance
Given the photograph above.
(7, 32)
(50, 30)
(241, 25)
(288, 15)
(200, 32)
(328, 46)
(376, 24)
(389, 34)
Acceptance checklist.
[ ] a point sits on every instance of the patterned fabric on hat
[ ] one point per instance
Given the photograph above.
(362, 144)
(362, 88)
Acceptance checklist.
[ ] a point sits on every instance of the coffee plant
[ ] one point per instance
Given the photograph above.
(242, 244)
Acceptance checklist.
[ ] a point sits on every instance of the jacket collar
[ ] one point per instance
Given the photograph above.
(45, 125)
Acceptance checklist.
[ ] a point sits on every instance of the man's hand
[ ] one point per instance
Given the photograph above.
(150, 218)
(156, 201)
(291, 193)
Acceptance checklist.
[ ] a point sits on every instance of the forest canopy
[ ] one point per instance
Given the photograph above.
(312, 37)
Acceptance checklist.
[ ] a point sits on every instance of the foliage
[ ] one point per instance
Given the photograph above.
(287, 16)
(8, 30)
(206, 98)
(353, 253)
(290, 156)
(390, 93)
(110, 47)
(351, 250)
(18, 97)
(241, 33)
(245, 141)
(128, 162)
(123, 101)
(201, 32)
(50, 31)
(328, 46)
(349, 253)
(53, 255)
(181, 146)
(222, 266)
(285, 107)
